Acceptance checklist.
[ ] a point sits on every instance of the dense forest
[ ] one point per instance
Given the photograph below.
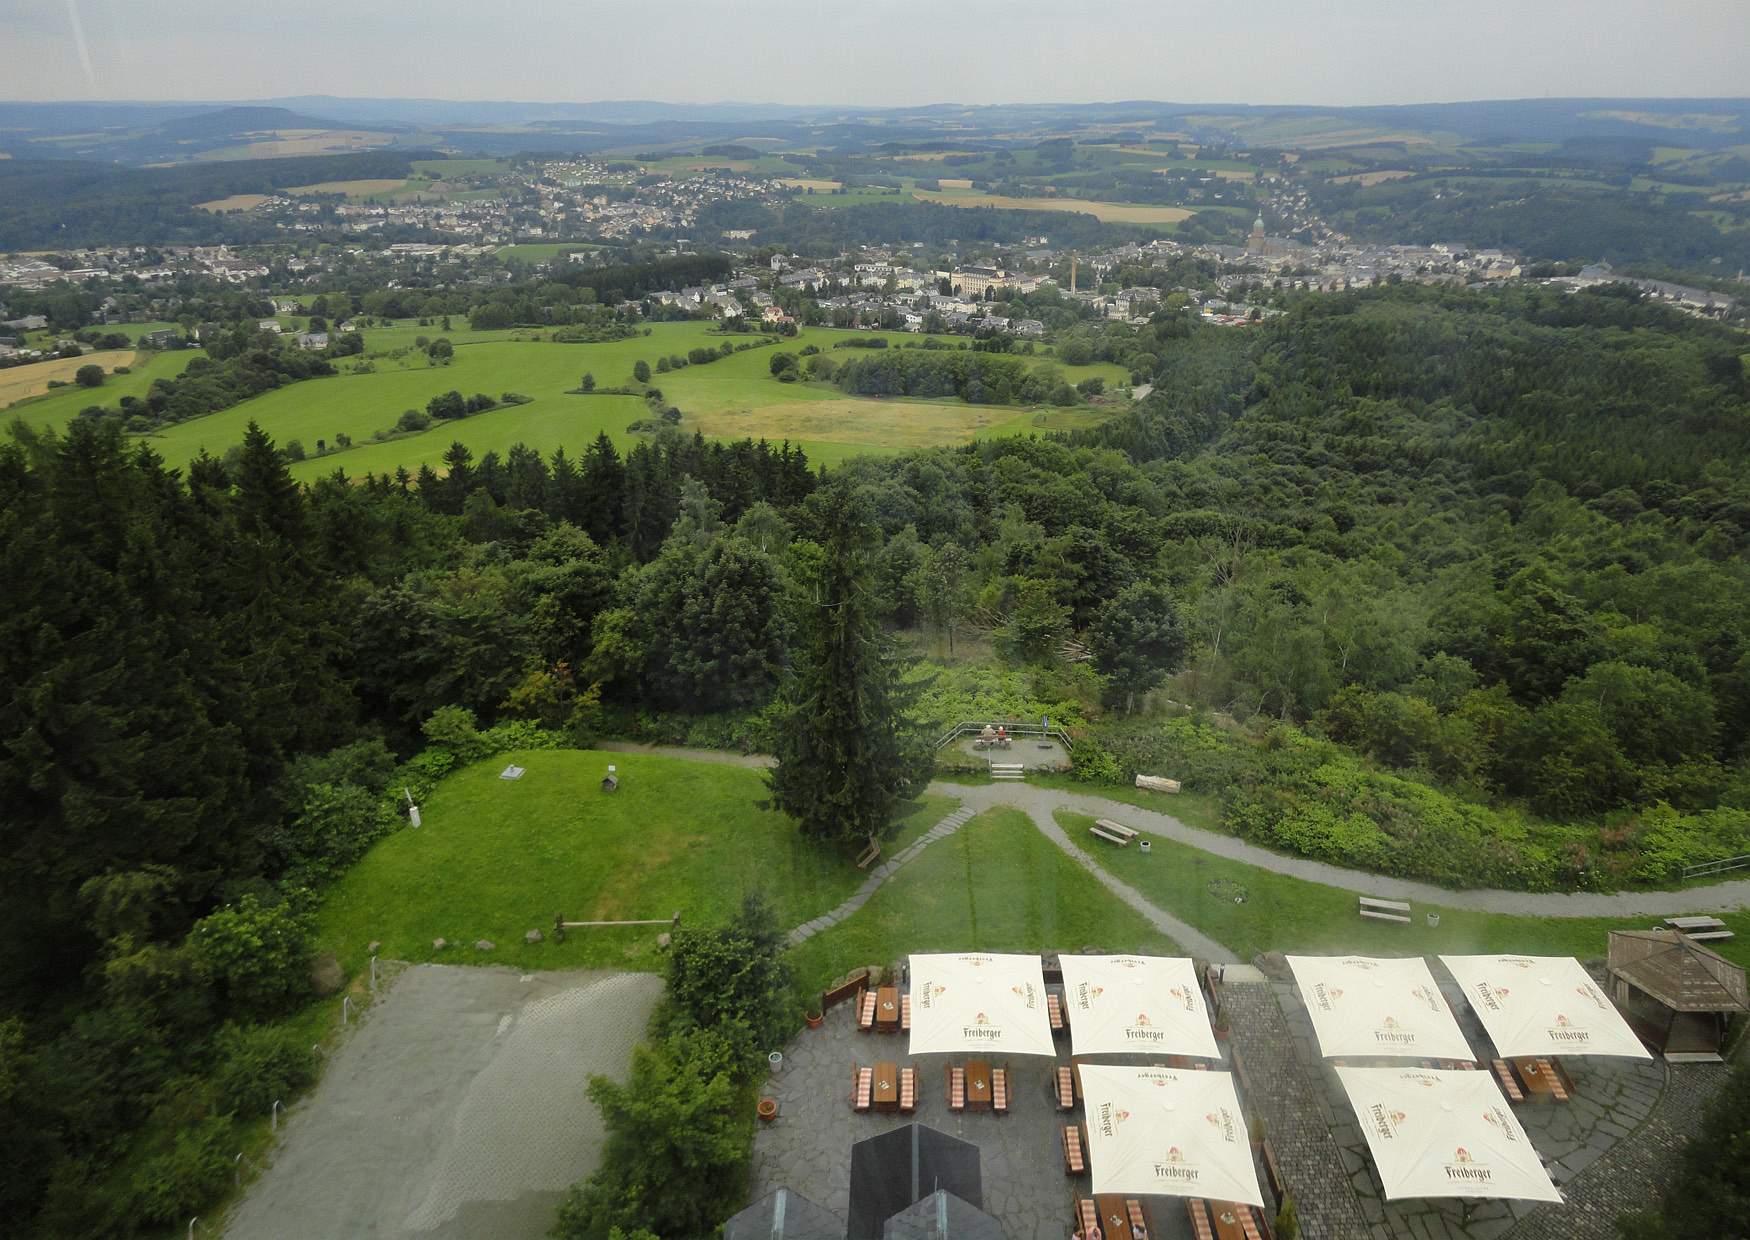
(1436, 582)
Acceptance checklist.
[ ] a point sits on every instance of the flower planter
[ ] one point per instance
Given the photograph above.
(815, 1019)
(767, 1109)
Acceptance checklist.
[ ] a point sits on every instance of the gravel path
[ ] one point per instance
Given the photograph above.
(1039, 803)
(457, 1108)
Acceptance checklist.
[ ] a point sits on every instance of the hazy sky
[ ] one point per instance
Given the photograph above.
(875, 51)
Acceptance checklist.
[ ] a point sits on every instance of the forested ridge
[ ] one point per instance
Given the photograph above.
(1442, 583)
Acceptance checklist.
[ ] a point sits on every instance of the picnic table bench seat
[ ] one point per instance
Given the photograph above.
(908, 1090)
(1087, 1215)
(1707, 936)
(1138, 1219)
(956, 1080)
(1066, 1089)
(862, 1088)
(1695, 923)
(1383, 910)
(905, 1014)
(1509, 1083)
(999, 1090)
(1249, 1221)
(1074, 1162)
(1201, 1226)
(1054, 1010)
(1123, 841)
(866, 1011)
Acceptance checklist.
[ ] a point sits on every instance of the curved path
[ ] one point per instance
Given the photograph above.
(1040, 803)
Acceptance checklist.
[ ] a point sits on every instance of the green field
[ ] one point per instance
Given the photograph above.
(1279, 913)
(57, 408)
(541, 251)
(728, 399)
(495, 859)
(997, 884)
(443, 168)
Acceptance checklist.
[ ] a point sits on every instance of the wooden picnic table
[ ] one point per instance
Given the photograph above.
(978, 1084)
(1227, 1217)
(1114, 1218)
(887, 1009)
(886, 1086)
(1540, 1079)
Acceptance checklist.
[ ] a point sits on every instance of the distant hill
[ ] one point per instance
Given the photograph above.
(242, 120)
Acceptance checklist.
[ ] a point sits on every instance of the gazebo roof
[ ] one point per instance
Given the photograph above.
(897, 1168)
(1678, 972)
(784, 1215)
(942, 1216)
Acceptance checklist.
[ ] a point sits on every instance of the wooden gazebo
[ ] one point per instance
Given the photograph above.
(1676, 993)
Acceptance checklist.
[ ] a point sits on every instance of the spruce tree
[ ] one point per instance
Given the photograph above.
(847, 752)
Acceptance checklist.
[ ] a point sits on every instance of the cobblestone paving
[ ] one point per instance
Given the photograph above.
(1283, 1087)
(1632, 1174)
(808, 1147)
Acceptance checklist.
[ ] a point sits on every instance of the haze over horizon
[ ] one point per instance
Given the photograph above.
(898, 54)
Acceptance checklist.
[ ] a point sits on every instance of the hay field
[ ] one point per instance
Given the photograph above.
(1372, 178)
(1106, 212)
(236, 202)
(352, 189)
(22, 382)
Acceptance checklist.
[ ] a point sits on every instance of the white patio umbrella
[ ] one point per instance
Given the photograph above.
(1170, 1132)
(1542, 1005)
(1444, 1134)
(978, 1002)
(1130, 1004)
(1364, 1006)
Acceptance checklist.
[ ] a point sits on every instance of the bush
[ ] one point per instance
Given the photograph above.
(413, 420)
(255, 953)
(89, 376)
(453, 728)
(174, 1185)
(1091, 763)
(256, 1066)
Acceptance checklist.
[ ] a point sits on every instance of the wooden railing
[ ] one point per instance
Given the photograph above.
(1015, 730)
(1714, 867)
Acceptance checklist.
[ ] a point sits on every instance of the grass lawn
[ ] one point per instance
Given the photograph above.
(997, 884)
(727, 399)
(495, 859)
(541, 251)
(1167, 219)
(1286, 914)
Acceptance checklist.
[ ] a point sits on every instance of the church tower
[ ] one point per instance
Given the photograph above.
(1255, 243)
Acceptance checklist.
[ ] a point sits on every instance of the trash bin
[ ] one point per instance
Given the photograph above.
(1144, 846)
(776, 1061)
(1433, 919)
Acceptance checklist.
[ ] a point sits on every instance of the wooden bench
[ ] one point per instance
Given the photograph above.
(1695, 923)
(867, 857)
(1087, 1215)
(905, 1013)
(1138, 1218)
(1708, 936)
(1066, 1090)
(1198, 1213)
(1116, 828)
(1273, 1175)
(1073, 1161)
(908, 1090)
(1123, 841)
(1248, 1220)
(862, 1088)
(1383, 910)
(956, 1088)
(1509, 1083)
(1054, 1010)
(866, 1011)
(999, 1090)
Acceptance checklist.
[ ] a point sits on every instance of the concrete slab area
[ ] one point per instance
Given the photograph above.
(458, 1108)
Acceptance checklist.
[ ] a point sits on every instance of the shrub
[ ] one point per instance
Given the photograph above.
(453, 728)
(255, 953)
(256, 1066)
(174, 1185)
(89, 376)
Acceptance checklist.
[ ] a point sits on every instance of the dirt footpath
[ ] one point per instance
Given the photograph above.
(458, 1109)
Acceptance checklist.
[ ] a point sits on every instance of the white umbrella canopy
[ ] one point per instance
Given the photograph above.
(1364, 1006)
(1130, 1004)
(1543, 1005)
(1169, 1132)
(1444, 1134)
(975, 1003)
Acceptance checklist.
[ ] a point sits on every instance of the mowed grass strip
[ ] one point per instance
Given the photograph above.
(1280, 913)
(996, 884)
(497, 858)
(1106, 212)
